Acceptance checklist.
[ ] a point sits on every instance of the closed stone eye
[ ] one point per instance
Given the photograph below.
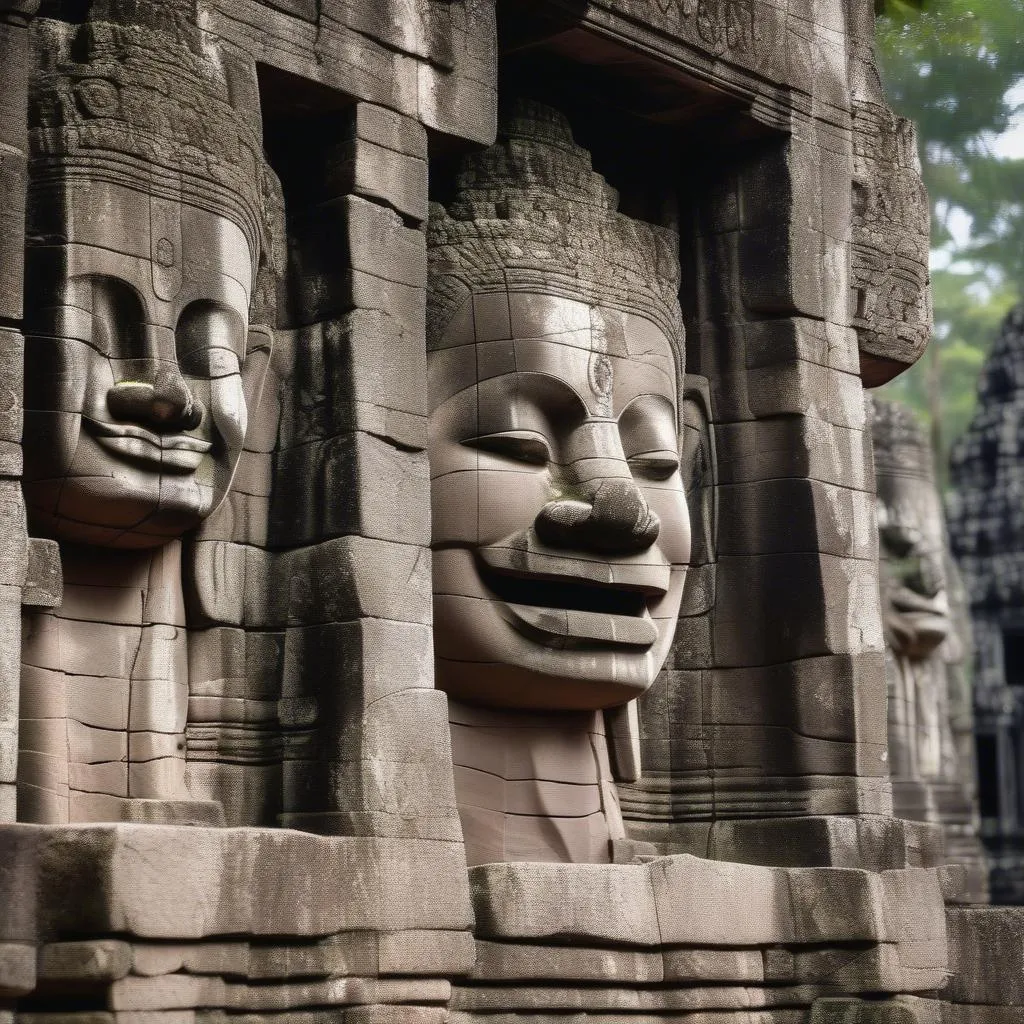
(658, 465)
(518, 445)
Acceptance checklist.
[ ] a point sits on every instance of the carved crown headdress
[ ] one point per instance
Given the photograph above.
(138, 95)
(901, 446)
(531, 214)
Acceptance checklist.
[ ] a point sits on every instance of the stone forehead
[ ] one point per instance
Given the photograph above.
(901, 444)
(155, 106)
(531, 214)
(506, 315)
(500, 333)
(161, 229)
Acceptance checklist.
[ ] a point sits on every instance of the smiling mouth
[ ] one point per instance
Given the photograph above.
(924, 621)
(175, 453)
(562, 612)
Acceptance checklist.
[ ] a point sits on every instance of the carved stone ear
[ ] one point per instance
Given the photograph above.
(699, 467)
(258, 350)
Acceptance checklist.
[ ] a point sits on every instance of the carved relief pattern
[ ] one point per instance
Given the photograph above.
(733, 28)
(420, 626)
(890, 298)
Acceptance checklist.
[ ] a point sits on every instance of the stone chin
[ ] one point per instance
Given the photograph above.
(127, 507)
(545, 639)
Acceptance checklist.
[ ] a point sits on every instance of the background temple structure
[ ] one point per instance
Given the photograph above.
(987, 529)
(322, 318)
(928, 645)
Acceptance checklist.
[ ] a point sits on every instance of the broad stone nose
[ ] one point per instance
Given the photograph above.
(615, 519)
(166, 404)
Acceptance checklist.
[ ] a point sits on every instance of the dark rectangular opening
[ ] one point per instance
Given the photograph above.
(1013, 658)
(988, 775)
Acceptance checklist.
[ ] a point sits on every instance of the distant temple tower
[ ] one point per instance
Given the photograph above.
(986, 522)
(928, 642)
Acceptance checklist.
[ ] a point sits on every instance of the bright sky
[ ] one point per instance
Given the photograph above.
(1010, 146)
(1011, 143)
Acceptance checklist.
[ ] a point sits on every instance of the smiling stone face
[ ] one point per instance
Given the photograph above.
(560, 527)
(135, 367)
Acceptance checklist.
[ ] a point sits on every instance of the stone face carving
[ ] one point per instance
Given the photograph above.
(915, 606)
(933, 776)
(560, 530)
(760, 874)
(135, 438)
(147, 217)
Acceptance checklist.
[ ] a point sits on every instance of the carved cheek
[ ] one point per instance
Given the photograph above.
(61, 374)
(509, 500)
(668, 501)
(481, 504)
(227, 400)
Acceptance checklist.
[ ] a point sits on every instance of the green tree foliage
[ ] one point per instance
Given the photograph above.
(956, 68)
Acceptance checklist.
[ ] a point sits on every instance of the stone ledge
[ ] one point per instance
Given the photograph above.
(685, 900)
(192, 883)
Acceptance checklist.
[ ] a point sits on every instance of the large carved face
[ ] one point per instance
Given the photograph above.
(560, 528)
(135, 367)
(915, 602)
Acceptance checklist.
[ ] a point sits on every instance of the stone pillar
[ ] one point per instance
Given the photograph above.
(14, 56)
(777, 684)
(359, 616)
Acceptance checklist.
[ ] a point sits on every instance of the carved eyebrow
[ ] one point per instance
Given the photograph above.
(546, 390)
(658, 399)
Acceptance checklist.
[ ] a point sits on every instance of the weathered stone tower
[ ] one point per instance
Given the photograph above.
(987, 529)
(439, 570)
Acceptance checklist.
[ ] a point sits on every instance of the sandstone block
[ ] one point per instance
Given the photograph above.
(986, 954)
(547, 901)
(93, 960)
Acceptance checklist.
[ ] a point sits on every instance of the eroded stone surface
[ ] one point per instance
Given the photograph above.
(234, 339)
